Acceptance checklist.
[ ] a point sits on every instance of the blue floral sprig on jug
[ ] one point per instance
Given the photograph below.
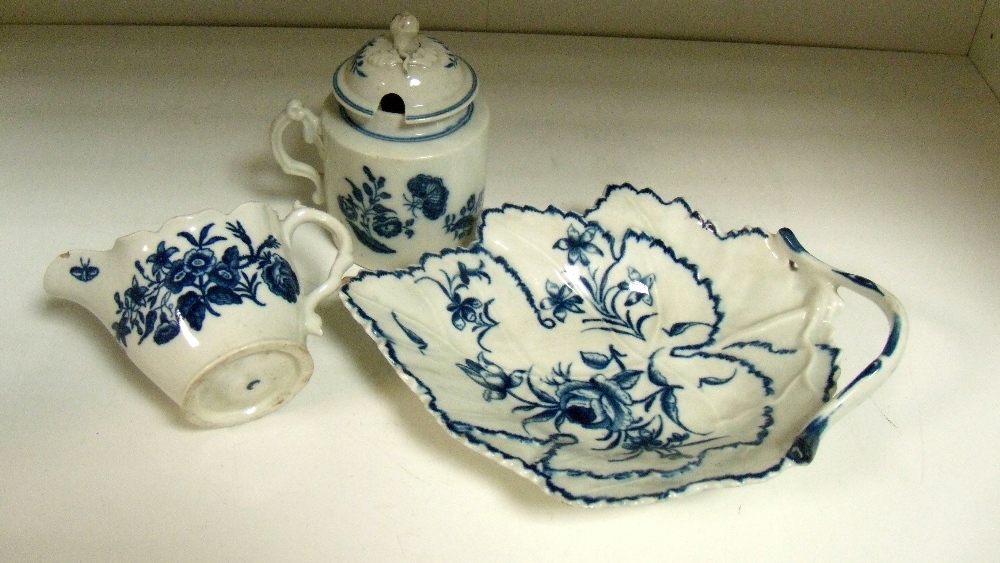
(367, 210)
(462, 224)
(172, 289)
(369, 217)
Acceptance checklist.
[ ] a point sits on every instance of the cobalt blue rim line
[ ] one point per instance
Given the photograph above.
(421, 117)
(462, 122)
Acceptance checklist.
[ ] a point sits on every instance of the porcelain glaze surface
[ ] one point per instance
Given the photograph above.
(402, 127)
(209, 307)
(626, 354)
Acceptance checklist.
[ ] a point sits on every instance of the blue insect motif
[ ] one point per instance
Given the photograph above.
(368, 215)
(84, 272)
(428, 194)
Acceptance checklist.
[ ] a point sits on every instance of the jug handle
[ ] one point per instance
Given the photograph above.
(299, 216)
(311, 132)
(850, 393)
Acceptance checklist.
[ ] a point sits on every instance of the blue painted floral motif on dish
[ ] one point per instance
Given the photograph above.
(184, 286)
(628, 400)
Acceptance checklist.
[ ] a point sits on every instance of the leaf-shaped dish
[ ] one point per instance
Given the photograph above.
(626, 354)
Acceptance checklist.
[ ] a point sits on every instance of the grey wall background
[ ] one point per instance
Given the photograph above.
(935, 26)
(952, 27)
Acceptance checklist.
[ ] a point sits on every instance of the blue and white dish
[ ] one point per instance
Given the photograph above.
(626, 354)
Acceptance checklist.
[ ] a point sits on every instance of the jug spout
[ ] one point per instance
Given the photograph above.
(80, 276)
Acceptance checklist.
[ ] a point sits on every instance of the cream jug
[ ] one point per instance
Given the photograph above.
(402, 141)
(209, 307)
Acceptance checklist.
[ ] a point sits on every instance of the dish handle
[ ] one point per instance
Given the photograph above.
(858, 389)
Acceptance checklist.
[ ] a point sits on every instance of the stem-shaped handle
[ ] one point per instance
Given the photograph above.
(344, 260)
(853, 392)
(312, 134)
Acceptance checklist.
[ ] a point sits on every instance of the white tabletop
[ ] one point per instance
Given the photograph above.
(884, 164)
